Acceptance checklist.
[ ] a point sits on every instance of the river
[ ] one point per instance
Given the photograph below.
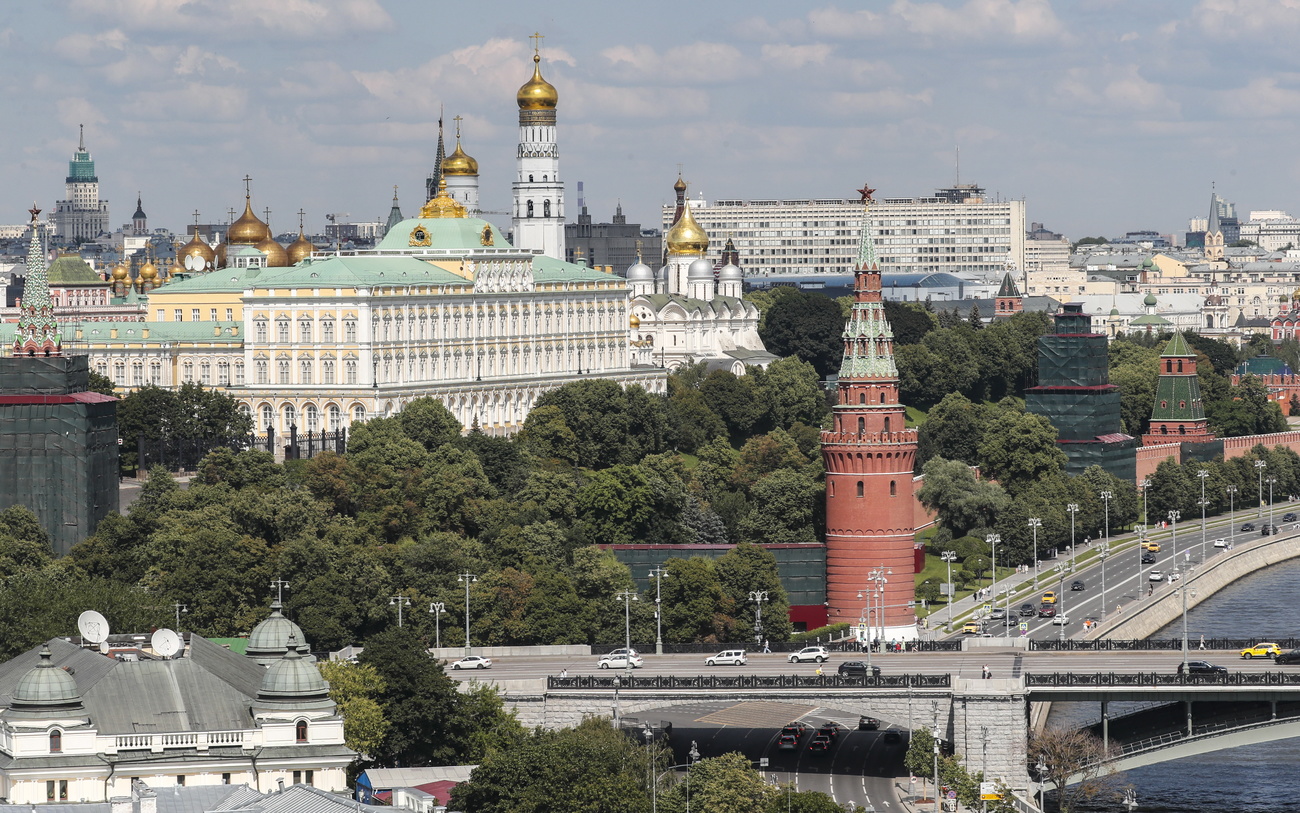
(1255, 779)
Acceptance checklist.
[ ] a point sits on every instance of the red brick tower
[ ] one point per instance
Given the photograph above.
(869, 456)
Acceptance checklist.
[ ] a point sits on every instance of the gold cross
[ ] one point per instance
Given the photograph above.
(537, 38)
(301, 213)
(458, 120)
(196, 220)
(247, 188)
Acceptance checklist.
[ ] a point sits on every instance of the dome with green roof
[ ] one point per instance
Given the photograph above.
(464, 233)
(270, 639)
(46, 686)
(1149, 300)
(293, 679)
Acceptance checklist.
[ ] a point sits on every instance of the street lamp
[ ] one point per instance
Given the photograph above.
(467, 579)
(1259, 467)
(1105, 496)
(950, 556)
(1185, 582)
(658, 574)
(180, 608)
(437, 608)
(1201, 475)
(867, 644)
(1232, 518)
(1142, 541)
(1104, 554)
(1066, 568)
(878, 576)
(692, 756)
(1042, 770)
(1034, 524)
(1073, 508)
(400, 601)
(993, 540)
(1146, 483)
(1174, 516)
(758, 597)
(627, 597)
(1270, 481)
(936, 771)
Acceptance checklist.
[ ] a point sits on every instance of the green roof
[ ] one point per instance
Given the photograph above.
(361, 271)
(465, 233)
(1008, 289)
(72, 271)
(1177, 347)
(1151, 319)
(1178, 398)
(222, 280)
(549, 269)
(1263, 365)
(133, 332)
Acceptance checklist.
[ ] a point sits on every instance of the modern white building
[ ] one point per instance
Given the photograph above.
(956, 230)
(82, 215)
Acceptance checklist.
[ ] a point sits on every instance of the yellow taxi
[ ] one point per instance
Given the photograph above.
(972, 628)
(1262, 651)
(1049, 597)
(1151, 545)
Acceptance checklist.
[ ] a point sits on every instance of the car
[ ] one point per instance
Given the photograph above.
(1150, 546)
(472, 662)
(857, 668)
(620, 659)
(997, 614)
(866, 723)
(1148, 558)
(796, 729)
(1266, 529)
(830, 729)
(1076, 585)
(1049, 597)
(819, 745)
(1155, 576)
(1047, 611)
(1026, 611)
(810, 653)
(892, 735)
(728, 657)
(1265, 650)
(1203, 668)
(1289, 516)
(787, 742)
(972, 628)
(1248, 526)
(1288, 657)
(1061, 620)
(1220, 543)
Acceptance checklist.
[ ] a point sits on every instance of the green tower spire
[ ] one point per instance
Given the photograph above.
(37, 332)
(1178, 390)
(868, 338)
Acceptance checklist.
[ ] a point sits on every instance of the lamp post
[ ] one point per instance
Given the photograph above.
(437, 608)
(1073, 508)
(1034, 524)
(1104, 554)
(1142, 536)
(1042, 769)
(1146, 483)
(1106, 496)
(878, 576)
(627, 597)
(1232, 517)
(1064, 569)
(950, 556)
(1201, 475)
(993, 540)
(936, 773)
(1271, 481)
(1184, 582)
(1259, 467)
(467, 578)
(867, 644)
(692, 756)
(1173, 532)
(758, 597)
(659, 574)
(400, 601)
(180, 608)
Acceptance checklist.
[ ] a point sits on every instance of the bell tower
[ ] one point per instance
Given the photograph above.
(869, 455)
(538, 217)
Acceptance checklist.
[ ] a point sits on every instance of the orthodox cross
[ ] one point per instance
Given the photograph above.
(248, 193)
(537, 38)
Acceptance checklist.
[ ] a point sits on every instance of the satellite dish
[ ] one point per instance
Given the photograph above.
(104, 647)
(93, 626)
(190, 263)
(165, 642)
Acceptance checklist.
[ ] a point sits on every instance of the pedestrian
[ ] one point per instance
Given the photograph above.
(875, 644)
(819, 670)
(564, 673)
(1202, 642)
(892, 645)
(1151, 588)
(767, 650)
(984, 671)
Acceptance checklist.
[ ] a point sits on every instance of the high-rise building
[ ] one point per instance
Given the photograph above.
(538, 219)
(869, 455)
(616, 245)
(955, 230)
(82, 216)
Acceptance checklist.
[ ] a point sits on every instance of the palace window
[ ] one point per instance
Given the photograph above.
(263, 376)
(56, 741)
(335, 416)
(349, 331)
(259, 330)
(268, 416)
(239, 374)
(327, 371)
(282, 330)
(358, 413)
(187, 372)
(327, 330)
(350, 371)
(304, 331)
(283, 370)
(205, 372)
(300, 731)
(312, 414)
(304, 371)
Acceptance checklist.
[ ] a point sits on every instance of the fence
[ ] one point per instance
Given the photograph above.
(848, 647)
(629, 682)
(1072, 679)
(185, 454)
(1165, 644)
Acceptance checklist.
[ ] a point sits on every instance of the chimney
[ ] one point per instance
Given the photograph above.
(144, 332)
(112, 333)
(121, 804)
(279, 783)
(216, 330)
(234, 330)
(148, 801)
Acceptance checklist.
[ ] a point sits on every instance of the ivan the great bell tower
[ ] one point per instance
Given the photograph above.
(869, 455)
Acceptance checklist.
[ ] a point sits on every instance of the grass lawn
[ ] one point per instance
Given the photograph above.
(915, 417)
(690, 461)
(937, 569)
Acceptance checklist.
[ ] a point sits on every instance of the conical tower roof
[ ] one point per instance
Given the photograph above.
(37, 331)
(1008, 289)
(1177, 348)
(868, 337)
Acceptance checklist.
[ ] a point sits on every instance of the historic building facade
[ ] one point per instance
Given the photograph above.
(82, 215)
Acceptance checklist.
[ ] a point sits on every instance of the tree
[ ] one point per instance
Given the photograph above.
(809, 326)
(747, 568)
(952, 430)
(101, 384)
(909, 321)
(723, 784)
(355, 687)
(419, 701)
(1071, 753)
(427, 422)
(962, 502)
(790, 390)
(1019, 448)
(783, 512)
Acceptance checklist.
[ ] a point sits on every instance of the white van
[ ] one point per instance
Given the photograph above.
(730, 657)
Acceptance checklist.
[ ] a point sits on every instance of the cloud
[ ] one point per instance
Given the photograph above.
(1113, 88)
(1262, 97)
(192, 101)
(975, 20)
(797, 56)
(75, 110)
(697, 64)
(195, 60)
(1248, 19)
(253, 19)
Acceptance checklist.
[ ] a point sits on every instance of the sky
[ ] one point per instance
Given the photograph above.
(1106, 116)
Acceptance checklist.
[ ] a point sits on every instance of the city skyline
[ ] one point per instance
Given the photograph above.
(1104, 116)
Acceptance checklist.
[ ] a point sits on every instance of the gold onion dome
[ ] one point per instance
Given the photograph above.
(220, 251)
(680, 186)
(119, 271)
(442, 204)
(199, 250)
(148, 270)
(686, 236)
(459, 163)
(300, 249)
(537, 93)
(248, 229)
(276, 256)
(634, 321)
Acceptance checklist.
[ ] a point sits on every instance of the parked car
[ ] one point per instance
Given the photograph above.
(1289, 516)
(1076, 585)
(819, 745)
(1026, 611)
(1151, 546)
(728, 657)
(1203, 668)
(857, 668)
(620, 659)
(1221, 543)
(1248, 526)
(1148, 558)
(1155, 576)
(787, 742)
(472, 662)
(810, 653)
(1049, 597)
(830, 729)
(1288, 657)
(1047, 611)
(1264, 650)
(972, 628)
(866, 723)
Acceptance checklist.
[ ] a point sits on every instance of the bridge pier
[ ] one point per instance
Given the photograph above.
(990, 728)
(1105, 726)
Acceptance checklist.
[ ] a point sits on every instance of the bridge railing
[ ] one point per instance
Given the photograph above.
(1219, 727)
(1160, 645)
(741, 682)
(1073, 679)
(847, 647)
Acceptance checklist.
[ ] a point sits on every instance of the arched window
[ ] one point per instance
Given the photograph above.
(530, 207)
(300, 731)
(862, 398)
(268, 416)
(862, 425)
(335, 416)
(56, 741)
(1164, 404)
(1180, 365)
(893, 488)
(882, 398)
(546, 208)
(530, 178)
(1182, 430)
(861, 489)
(886, 423)
(358, 413)
(1164, 430)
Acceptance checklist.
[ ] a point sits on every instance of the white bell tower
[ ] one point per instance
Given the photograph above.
(538, 217)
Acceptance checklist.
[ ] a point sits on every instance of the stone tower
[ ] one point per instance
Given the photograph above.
(1178, 416)
(869, 455)
(1008, 302)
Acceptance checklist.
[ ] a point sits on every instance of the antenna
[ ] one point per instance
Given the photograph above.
(93, 626)
(165, 642)
(958, 166)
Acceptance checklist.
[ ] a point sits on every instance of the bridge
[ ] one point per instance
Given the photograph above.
(987, 720)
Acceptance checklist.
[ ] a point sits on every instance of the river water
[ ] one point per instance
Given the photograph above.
(1255, 779)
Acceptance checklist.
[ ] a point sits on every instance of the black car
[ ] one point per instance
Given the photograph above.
(1288, 516)
(1148, 558)
(866, 723)
(856, 668)
(1248, 526)
(1288, 657)
(892, 735)
(830, 730)
(1267, 529)
(1203, 668)
(1027, 611)
(1076, 585)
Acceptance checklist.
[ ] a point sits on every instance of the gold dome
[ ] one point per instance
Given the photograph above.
(686, 236)
(537, 93)
(276, 256)
(442, 204)
(148, 270)
(119, 271)
(200, 251)
(680, 186)
(458, 163)
(634, 321)
(221, 254)
(248, 229)
(300, 249)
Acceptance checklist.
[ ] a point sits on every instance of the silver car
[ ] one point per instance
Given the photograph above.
(810, 653)
(728, 657)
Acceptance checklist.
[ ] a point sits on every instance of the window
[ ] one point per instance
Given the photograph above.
(259, 330)
(282, 330)
(335, 416)
(327, 330)
(313, 417)
(304, 331)
(268, 416)
(886, 423)
(56, 741)
(530, 206)
(239, 374)
(194, 314)
(205, 372)
(225, 779)
(290, 417)
(223, 372)
(230, 314)
(861, 489)
(180, 779)
(263, 376)
(179, 314)
(862, 398)
(137, 373)
(546, 208)
(282, 369)
(297, 777)
(862, 425)
(212, 314)
(349, 331)
(327, 371)
(62, 788)
(304, 371)
(358, 413)
(310, 777)
(300, 731)
(350, 371)
(893, 488)
(187, 372)
(155, 373)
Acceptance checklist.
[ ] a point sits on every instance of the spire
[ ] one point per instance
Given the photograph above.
(866, 246)
(1008, 288)
(436, 176)
(868, 338)
(37, 331)
(1213, 226)
(394, 214)
(680, 189)
(81, 138)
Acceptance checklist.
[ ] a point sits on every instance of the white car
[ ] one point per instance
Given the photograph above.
(729, 657)
(472, 662)
(1155, 576)
(1220, 543)
(1061, 620)
(810, 653)
(620, 659)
